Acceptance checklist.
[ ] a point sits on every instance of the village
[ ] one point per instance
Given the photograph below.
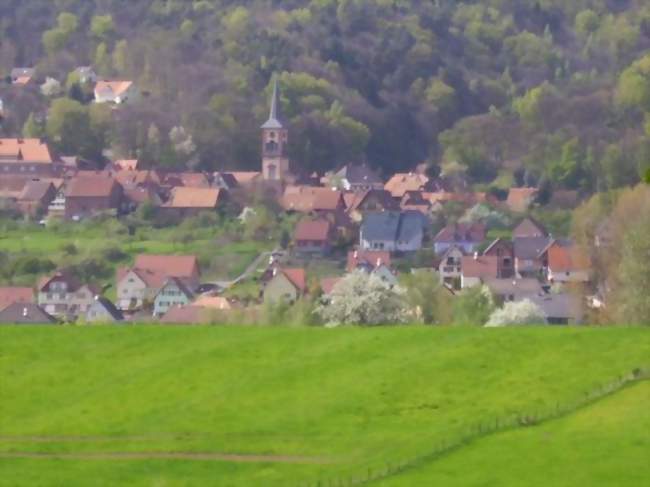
(352, 215)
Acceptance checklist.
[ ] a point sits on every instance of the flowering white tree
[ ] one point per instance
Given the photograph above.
(51, 87)
(363, 299)
(523, 312)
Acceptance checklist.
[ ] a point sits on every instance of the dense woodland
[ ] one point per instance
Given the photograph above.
(503, 92)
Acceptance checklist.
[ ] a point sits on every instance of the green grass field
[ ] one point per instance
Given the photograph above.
(170, 406)
(606, 443)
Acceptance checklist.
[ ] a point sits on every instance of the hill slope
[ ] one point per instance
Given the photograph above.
(605, 444)
(297, 405)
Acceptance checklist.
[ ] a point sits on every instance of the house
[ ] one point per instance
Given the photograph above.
(285, 285)
(450, 267)
(126, 165)
(186, 315)
(216, 303)
(477, 268)
(88, 195)
(26, 314)
(392, 231)
(188, 201)
(35, 197)
(505, 290)
(308, 199)
(399, 184)
(62, 295)
(327, 284)
(174, 292)
(503, 250)
(566, 263)
(367, 259)
(86, 74)
(520, 199)
(11, 295)
(529, 228)
(117, 92)
(103, 311)
(371, 200)
(27, 157)
(354, 177)
(313, 236)
(139, 284)
(22, 76)
(467, 236)
(530, 256)
(559, 308)
(415, 200)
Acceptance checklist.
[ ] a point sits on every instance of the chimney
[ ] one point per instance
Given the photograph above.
(275, 271)
(25, 312)
(475, 255)
(355, 254)
(378, 261)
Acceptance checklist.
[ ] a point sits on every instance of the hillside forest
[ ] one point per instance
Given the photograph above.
(498, 92)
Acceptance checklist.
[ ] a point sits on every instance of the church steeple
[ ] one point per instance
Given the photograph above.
(275, 140)
(275, 115)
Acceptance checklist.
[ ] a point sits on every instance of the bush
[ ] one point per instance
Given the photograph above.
(473, 306)
(517, 313)
(362, 299)
(113, 254)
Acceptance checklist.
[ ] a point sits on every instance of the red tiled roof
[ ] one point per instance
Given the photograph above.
(10, 295)
(213, 302)
(25, 150)
(126, 164)
(115, 88)
(96, 186)
(565, 258)
(170, 265)
(327, 284)
(481, 266)
(519, 199)
(186, 315)
(188, 197)
(460, 232)
(313, 230)
(400, 183)
(245, 177)
(297, 277)
(308, 198)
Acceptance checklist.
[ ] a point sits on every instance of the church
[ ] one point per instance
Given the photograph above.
(275, 140)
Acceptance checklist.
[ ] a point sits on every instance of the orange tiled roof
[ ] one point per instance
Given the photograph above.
(25, 150)
(189, 197)
(400, 183)
(115, 88)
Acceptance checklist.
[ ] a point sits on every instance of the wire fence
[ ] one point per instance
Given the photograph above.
(479, 430)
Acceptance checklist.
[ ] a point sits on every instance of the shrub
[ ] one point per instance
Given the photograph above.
(517, 313)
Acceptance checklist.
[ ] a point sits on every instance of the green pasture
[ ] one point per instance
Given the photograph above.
(298, 405)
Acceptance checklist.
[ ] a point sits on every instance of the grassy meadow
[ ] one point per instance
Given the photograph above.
(235, 406)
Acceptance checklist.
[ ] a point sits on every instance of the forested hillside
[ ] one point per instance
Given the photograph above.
(505, 92)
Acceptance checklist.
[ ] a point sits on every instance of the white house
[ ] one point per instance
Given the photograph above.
(117, 92)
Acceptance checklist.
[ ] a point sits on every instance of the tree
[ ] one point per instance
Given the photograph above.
(634, 269)
(51, 87)
(587, 22)
(32, 128)
(69, 127)
(633, 89)
(473, 306)
(422, 291)
(102, 27)
(363, 299)
(523, 312)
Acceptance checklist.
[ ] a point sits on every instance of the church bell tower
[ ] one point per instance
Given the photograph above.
(275, 138)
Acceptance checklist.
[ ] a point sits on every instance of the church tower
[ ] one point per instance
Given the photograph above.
(275, 138)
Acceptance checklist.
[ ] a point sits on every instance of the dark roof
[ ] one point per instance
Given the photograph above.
(275, 115)
(529, 227)
(462, 232)
(530, 248)
(381, 225)
(558, 306)
(110, 308)
(411, 224)
(25, 314)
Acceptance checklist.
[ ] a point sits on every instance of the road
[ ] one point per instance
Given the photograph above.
(250, 269)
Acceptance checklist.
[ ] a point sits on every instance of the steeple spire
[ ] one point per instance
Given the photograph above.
(275, 115)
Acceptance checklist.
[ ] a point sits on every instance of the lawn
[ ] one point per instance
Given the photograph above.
(221, 258)
(605, 444)
(300, 404)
